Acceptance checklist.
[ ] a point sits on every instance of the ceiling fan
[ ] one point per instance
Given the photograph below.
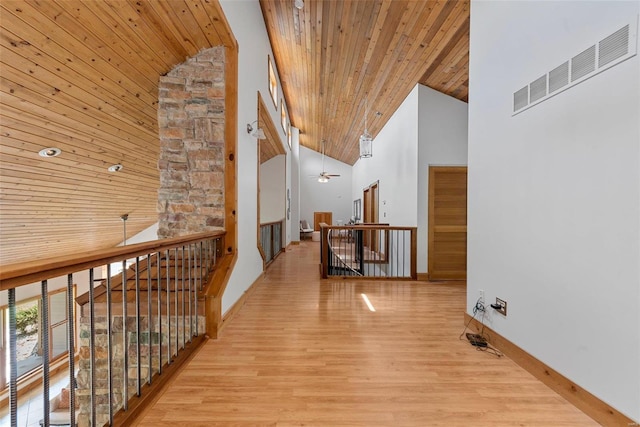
(325, 176)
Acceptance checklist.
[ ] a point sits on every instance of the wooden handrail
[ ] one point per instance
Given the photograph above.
(14, 275)
(365, 227)
(272, 223)
(386, 228)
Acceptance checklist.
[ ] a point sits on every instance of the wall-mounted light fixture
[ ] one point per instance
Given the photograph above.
(258, 133)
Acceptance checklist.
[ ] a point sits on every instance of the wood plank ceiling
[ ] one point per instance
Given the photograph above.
(83, 76)
(335, 57)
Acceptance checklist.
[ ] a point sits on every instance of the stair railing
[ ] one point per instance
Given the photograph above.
(271, 241)
(373, 251)
(136, 328)
(342, 256)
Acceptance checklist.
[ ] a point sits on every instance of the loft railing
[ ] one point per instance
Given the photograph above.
(371, 251)
(136, 327)
(271, 240)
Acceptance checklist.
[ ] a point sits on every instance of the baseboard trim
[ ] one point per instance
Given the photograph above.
(235, 308)
(423, 277)
(576, 395)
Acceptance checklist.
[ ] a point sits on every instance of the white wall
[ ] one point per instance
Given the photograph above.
(247, 24)
(289, 225)
(442, 133)
(395, 165)
(333, 196)
(554, 193)
(429, 128)
(295, 184)
(272, 189)
(148, 234)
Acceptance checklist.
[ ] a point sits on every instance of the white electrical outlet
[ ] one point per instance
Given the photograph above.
(481, 292)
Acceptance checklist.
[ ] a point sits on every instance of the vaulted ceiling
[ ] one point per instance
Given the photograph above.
(83, 76)
(340, 59)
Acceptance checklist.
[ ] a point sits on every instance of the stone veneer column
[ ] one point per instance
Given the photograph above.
(191, 124)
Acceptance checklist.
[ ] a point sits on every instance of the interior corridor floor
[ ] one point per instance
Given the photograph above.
(303, 351)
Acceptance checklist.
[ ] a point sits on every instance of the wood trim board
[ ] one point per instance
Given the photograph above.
(576, 395)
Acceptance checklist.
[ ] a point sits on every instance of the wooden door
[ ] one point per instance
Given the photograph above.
(320, 217)
(447, 259)
(370, 216)
(375, 217)
(366, 215)
(366, 205)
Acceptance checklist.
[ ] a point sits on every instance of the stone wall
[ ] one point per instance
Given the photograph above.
(119, 349)
(191, 121)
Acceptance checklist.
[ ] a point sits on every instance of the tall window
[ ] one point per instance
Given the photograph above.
(283, 116)
(29, 333)
(58, 324)
(273, 83)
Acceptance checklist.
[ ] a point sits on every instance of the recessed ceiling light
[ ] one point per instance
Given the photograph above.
(50, 152)
(299, 4)
(115, 168)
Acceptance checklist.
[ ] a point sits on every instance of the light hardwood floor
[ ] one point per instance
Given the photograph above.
(308, 352)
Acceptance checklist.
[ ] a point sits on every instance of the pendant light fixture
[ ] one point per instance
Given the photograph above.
(365, 138)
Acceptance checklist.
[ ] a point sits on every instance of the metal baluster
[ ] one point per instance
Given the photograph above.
(207, 253)
(394, 249)
(110, 344)
(200, 270)
(92, 347)
(184, 327)
(203, 259)
(168, 309)
(349, 232)
(159, 314)
(377, 271)
(401, 256)
(175, 300)
(139, 366)
(189, 293)
(404, 234)
(199, 287)
(215, 243)
(391, 258)
(44, 317)
(125, 396)
(13, 357)
(149, 315)
(71, 347)
(365, 266)
(333, 257)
